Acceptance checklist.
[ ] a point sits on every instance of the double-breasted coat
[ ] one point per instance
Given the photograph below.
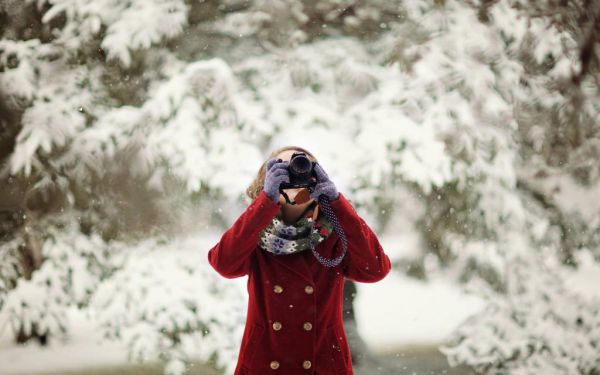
(294, 322)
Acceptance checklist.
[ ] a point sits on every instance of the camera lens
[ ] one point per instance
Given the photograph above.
(300, 164)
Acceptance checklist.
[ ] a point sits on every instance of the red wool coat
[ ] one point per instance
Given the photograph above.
(294, 322)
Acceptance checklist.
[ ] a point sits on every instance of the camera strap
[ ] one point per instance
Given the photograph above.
(331, 262)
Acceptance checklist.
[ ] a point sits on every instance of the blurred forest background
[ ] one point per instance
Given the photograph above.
(473, 125)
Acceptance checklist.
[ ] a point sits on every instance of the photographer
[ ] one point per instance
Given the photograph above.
(297, 255)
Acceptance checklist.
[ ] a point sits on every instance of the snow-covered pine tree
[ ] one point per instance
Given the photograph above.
(511, 224)
(466, 105)
(119, 105)
(109, 143)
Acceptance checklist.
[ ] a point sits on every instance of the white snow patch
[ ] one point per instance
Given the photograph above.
(401, 311)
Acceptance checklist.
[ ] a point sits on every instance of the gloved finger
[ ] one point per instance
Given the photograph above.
(281, 177)
(279, 172)
(321, 175)
(277, 165)
(270, 163)
(317, 190)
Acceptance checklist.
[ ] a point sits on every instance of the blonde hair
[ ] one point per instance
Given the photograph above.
(259, 181)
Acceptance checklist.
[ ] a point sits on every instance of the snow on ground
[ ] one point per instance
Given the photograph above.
(395, 312)
(83, 350)
(401, 311)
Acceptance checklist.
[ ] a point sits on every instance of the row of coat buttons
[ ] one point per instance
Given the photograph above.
(277, 326)
(306, 365)
(307, 289)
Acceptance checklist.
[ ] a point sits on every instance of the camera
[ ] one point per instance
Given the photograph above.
(302, 174)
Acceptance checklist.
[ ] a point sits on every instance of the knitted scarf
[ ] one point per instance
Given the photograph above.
(311, 229)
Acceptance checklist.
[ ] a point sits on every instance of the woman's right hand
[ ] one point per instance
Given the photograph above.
(277, 173)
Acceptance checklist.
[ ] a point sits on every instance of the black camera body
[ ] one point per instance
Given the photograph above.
(302, 174)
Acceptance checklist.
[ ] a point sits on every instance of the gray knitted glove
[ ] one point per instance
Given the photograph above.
(324, 186)
(276, 174)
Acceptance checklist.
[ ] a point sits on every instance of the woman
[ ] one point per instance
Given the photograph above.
(294, 321)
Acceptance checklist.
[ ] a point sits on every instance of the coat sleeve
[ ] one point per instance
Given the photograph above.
(230, 257)
(365, 260)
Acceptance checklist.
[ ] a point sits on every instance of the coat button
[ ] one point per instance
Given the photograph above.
(277, 326)
(306, 365)
(307, 326)
(274, 365)
(308, 289)
(278, 289)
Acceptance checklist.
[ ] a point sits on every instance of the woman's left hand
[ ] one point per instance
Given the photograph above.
(324, 186)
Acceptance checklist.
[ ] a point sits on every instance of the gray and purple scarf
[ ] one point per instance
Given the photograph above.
(281, 239)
